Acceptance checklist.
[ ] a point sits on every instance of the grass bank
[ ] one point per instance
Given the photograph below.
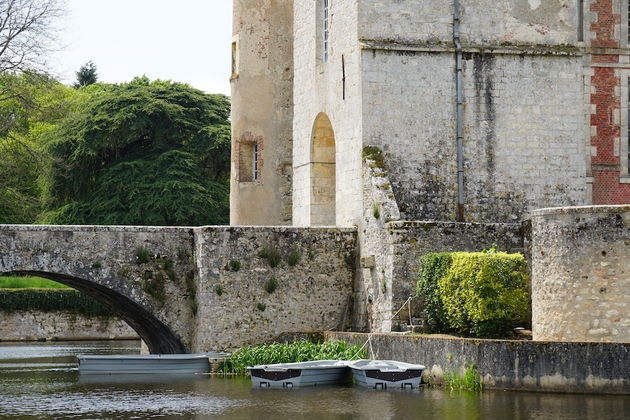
(20, 282)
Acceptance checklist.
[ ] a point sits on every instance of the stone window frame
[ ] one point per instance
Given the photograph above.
(322, 30)
(235, 57)
(250, 171)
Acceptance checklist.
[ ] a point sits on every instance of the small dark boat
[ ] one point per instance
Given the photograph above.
(289, 375)
(383, 374)
(150, 363)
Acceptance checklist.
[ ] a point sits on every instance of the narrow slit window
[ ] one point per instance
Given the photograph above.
(628, 129)
(255, 174)
(580, 20)
(234, 59)
(325, 33)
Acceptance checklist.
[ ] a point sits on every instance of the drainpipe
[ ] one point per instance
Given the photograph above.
(459, 87)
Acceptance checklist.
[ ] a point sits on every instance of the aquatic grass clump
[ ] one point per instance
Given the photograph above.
(469, 381)
(299, 351)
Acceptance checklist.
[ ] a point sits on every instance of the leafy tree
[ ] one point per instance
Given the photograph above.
(86, 75)
(30, 104)
(27, 33)
(141, 153)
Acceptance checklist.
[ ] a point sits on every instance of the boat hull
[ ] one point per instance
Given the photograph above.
(384, 374)
(132, 364)
(291, 375)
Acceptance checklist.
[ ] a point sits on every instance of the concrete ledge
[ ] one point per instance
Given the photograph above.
(506, 364)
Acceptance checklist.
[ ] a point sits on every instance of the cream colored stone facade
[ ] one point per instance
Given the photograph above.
(262, 108)
(387, 79)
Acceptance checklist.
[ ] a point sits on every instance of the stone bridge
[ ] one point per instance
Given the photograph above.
(188, 289)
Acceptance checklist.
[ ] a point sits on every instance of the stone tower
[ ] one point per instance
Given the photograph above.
(262, 112)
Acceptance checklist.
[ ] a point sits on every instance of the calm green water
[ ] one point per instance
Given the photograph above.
(41, 381)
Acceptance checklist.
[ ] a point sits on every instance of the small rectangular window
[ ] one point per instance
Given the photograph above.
(249, 158)
(234, 59)
(580, 20)
(325, 33)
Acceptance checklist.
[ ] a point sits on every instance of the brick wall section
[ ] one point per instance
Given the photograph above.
(604, 25)
(608, 58)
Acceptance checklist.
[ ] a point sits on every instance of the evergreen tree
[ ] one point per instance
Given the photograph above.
(86, 75)
(141, 153)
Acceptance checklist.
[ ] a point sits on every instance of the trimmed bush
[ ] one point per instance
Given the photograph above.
(433, 268)
(480, 294)
(50, 300)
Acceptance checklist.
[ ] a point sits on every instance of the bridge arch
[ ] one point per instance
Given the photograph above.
(156, 335)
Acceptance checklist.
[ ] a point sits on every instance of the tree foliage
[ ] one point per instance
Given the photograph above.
(30, 104)
(141, 153)
(86, 75)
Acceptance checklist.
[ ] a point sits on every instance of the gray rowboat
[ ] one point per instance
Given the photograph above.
(300, 374)
(150, 363)
(383, 374)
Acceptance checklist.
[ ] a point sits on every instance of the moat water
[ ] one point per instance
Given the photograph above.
(41, 381)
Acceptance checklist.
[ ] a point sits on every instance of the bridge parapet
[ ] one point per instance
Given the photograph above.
(196, 289)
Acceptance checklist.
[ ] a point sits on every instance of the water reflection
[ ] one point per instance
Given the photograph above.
(42, 381)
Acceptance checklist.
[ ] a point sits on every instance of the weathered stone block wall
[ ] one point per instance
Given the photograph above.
(506, 364)
(236, 308)
(332, 88)
(503, 22)
(59, 325)
(522, 118)
(391, 250)
(103, 261)
(262, 111)
(581, 274)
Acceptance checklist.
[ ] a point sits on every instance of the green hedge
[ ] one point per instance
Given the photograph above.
(49, 300)
(481, 294)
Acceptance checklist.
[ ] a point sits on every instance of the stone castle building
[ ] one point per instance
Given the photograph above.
(535, 93)
(405, 117)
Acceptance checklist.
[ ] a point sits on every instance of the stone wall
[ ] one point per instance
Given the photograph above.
(391, 248)
(38, 326)
(581, 280)
(237, 307)
(262, 112)
(520, 149)
(334, 89)
(197, 289)
(506, 364)
(516, 22)
(390, 83)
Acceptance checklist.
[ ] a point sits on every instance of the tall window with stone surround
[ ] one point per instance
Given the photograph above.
(248, 163)
(325, 31)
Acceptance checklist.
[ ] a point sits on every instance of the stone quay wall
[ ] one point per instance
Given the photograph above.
(61, 325)
(581, 274)
(238, 307)
(506, 364)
